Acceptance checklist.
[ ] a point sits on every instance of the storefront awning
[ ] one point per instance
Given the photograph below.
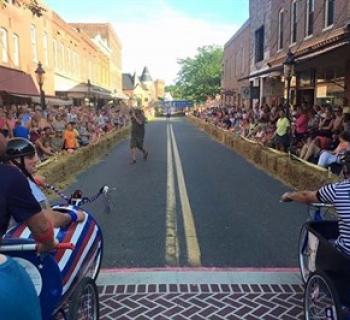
(83, 90)
(269, 71)
(322, 51)
(17, 82)
(53, 101)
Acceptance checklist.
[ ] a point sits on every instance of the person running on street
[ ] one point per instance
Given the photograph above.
(137, 134)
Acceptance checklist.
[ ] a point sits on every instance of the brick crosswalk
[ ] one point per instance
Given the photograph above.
(201, 302)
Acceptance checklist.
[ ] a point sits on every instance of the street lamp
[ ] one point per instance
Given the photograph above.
(40, 78)
(89, 89)
(288, 71)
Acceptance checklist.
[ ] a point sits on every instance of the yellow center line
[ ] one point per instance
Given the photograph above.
(193, 250)
(171, 240)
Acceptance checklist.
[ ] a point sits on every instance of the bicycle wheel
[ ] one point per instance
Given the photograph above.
(97, 265)
(321, 299)
(84, 304)
(304, 254)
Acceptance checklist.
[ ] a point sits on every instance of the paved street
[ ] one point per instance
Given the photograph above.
(227, 213)
(196, 232)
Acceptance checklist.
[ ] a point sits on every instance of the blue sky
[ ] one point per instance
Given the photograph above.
(158, 32)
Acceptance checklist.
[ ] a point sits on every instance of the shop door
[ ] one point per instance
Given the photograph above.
(306, 97)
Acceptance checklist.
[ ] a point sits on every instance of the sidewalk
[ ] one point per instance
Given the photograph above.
(180, 294)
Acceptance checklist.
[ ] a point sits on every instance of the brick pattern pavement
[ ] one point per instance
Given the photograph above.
(201, 302)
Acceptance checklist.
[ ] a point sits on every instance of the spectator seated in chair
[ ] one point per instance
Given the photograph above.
(329, 157)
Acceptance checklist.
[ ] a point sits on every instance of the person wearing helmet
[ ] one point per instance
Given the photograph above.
(21, 152)
(18, 298)
(337, 194)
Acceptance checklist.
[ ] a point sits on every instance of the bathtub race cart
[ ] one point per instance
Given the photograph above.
(65, 278)
(325, 269)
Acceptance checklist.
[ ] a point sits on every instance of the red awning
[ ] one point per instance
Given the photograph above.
(17, 82)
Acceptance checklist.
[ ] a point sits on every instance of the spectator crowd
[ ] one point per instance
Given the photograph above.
(59, 129)
(318, 134)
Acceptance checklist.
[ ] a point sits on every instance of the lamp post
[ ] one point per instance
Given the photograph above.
(89, 91)
(288, 71)
(40, 78)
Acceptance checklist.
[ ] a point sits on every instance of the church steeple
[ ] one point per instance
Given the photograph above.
(146, 76)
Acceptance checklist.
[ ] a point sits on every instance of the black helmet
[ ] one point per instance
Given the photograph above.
(18, 148)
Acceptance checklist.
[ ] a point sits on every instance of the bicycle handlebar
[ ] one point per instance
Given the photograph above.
(321, 205)
(34, 247)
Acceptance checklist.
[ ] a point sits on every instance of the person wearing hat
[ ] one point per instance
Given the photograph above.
(137, 134)
(18, 298)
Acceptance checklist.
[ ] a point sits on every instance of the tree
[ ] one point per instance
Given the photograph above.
(200, 77)
(175, 91)
(32, 5)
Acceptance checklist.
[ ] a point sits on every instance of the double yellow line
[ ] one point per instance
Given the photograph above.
(172, 250)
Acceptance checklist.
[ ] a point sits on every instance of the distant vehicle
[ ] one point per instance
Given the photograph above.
(175, 107)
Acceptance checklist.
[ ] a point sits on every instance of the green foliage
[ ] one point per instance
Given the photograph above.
(200, 77)
(175, 91)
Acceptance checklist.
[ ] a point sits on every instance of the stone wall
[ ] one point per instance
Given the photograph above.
(66, 167)
(291, 172)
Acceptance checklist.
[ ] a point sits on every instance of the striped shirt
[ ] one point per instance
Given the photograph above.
(338, 194)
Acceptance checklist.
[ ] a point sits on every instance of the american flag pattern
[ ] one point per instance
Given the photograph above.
(73, 264)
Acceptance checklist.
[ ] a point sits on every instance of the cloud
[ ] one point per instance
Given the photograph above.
(163, 35)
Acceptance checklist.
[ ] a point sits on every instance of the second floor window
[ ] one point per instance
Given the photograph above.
(280, 29)
(293, 22)
(3, 45)
(243, 60)
(259, 44)
(33, 42)
(310, 13)
(329, 13)
(55, 55)
(15, 50)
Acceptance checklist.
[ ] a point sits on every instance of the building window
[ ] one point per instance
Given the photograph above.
(310, 13)
(33, 42)
(293, 22)
(54, 49)
(280, 29)
(242, 61)
(60, 56)
(329, 13)
(46, 48)
(3, 45)
(15, 49)
(259, 44)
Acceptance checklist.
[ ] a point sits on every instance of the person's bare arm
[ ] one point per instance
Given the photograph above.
(45, 150)
(60, 219)
(304, 196)
(40, 226)
(138, 120)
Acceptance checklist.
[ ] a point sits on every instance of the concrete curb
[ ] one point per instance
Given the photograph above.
(278, 164)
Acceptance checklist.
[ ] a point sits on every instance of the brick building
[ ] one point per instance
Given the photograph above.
(317, 33)
(103, 35)
(236, 66)
(75, 66)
